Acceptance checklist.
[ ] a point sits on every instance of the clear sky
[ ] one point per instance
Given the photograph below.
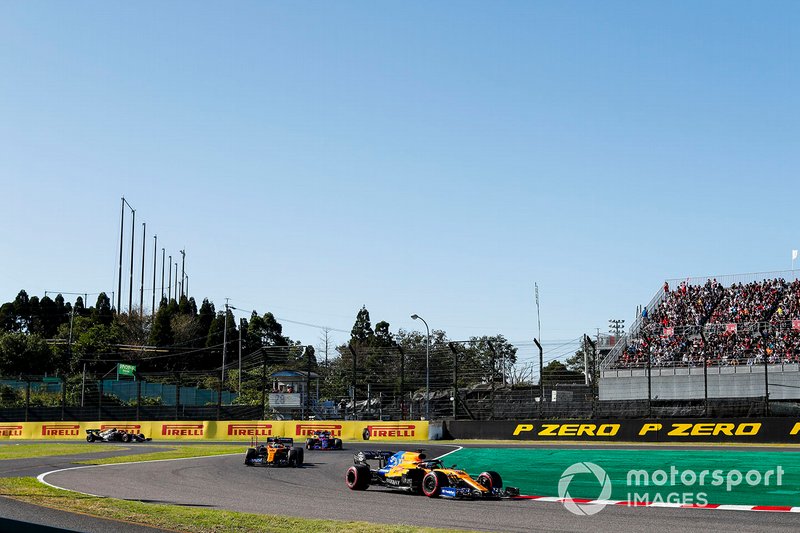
(436, 158)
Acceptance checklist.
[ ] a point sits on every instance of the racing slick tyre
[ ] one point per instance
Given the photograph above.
(358, 477)
(251, 454)
(90, 437)
(296, 457)
(142, 437)
(126, 437)
(433, 482)
(337, 444)
(490, 480)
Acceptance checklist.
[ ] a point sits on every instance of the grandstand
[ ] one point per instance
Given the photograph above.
(718, 337)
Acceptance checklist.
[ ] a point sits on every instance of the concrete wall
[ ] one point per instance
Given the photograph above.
(688, 383)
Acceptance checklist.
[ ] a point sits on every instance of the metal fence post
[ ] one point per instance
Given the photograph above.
(491, 379)
(541, 376)
(138, 397)
(100, 400)
(402, 382)
(219, 400)
(455, 379)
(705, 374)
(353, 396)
(766, 386)
(263, 385)
(63, 397)
(649, 379)
(595, 388)
(27, 398)
(177, 394)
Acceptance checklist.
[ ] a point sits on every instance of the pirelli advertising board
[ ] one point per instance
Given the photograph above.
(243, 430)
(775, 430)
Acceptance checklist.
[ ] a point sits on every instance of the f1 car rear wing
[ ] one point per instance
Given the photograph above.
(287, 441)
(369, 455)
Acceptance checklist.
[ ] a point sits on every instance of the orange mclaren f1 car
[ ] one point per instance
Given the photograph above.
(412, 472)
(278, 451)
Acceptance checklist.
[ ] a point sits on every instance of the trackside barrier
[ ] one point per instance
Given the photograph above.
(688, 430)
(231, 430)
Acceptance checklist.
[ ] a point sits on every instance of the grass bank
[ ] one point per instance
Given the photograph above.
(180, 518)
(168, 452)
(26, 451)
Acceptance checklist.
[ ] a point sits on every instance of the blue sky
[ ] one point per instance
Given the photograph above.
(414, 157)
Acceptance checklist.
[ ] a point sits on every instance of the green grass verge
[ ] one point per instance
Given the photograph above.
(26, 451)
(183, 518)
(168, 452)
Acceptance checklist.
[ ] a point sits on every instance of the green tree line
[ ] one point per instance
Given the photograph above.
(51, 336)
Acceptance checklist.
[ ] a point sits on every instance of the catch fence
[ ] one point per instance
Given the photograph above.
(456, 380)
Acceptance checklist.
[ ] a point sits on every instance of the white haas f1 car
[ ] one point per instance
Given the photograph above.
(411, 472)
(114, 435)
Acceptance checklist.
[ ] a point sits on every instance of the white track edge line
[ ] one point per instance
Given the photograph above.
(41, 477)
(457, 448)
(666, 505)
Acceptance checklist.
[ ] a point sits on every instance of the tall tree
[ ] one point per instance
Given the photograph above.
(80, 307)
(161, 333)
(62, 309)
(475, 359)
(49, 317)
(557, 372)
(362, 334)
(8, 318)
(576, 363)
(92, 343)
(34, 315)
(22, 353)
(102, 312)
(22, 311)
(383, 337)
(206, 317)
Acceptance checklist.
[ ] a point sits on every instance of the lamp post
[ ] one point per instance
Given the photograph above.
(427, 366)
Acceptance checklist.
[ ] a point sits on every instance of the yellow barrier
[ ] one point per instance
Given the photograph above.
(238, 430)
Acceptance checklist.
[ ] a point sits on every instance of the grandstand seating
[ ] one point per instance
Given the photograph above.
(741, 324)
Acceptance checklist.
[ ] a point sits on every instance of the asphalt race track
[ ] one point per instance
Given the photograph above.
(318, 491)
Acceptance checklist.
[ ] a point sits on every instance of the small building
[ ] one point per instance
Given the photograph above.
(288, 398)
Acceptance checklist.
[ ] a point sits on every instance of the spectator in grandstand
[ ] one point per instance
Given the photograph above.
(763, 312)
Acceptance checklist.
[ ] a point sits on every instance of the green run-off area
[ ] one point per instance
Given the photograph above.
(720, 476)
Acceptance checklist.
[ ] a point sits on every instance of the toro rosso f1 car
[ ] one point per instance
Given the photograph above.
(411, 472)
(114, 435)
(278, 451)
(323, 440)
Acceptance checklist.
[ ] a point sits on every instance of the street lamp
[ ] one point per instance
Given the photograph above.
(427, 367)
